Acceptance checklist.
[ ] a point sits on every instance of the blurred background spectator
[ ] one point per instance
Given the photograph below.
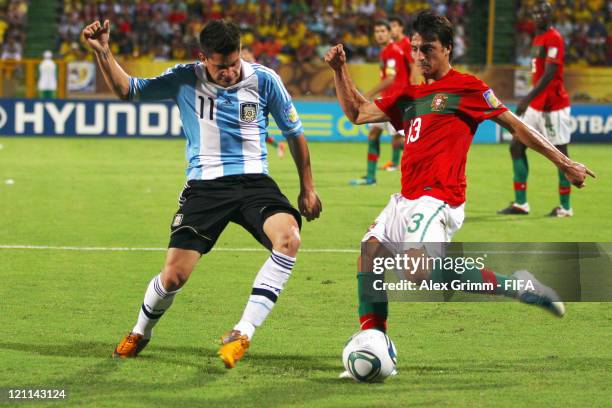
(293, 31)
(277, 31)
(47, 76)
(13, 22)
(585, 25)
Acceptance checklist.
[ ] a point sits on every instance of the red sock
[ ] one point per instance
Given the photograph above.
(373, 321)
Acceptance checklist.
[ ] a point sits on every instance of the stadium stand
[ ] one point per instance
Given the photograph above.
(13, 23)
(586, 26)
(278, 32)
(298, 31)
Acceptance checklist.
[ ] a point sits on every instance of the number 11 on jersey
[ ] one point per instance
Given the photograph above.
(212, 107)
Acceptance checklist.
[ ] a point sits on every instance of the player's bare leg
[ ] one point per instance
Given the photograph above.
(565, 189)
(373, 154)
(520, 167)
(284, 234)
(158, 298)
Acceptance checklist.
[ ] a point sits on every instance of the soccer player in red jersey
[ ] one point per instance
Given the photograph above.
(397, 34)
(440, 118)
(546, 108)
(393, 75)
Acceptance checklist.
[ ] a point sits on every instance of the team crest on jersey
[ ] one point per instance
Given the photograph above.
(438, 103)
(491, 99)
(248, 111)
(178, 220)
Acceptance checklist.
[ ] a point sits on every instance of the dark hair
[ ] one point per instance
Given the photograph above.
(433, 27)
(382, 23)
(220, 37)
(398, 20)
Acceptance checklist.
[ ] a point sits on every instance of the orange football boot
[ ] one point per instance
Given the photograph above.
(234, 345)
(130, 346)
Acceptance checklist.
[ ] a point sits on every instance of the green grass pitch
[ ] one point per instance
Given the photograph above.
(63, 311)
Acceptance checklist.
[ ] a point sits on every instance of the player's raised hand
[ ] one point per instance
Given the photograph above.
(309, 204)
(97, 35)
(577, 173)
(336, 57)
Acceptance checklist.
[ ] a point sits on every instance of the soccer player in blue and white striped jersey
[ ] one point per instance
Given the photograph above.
(224, 104)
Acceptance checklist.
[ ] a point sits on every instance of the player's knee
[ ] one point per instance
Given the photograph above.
(288, 242)
(175, 275)
(369, 250)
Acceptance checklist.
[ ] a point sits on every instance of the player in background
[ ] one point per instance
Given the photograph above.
(224, 104)
(546, 108)
(393, 75)
(246, 53)
(403, 41)
(47, 76)
(440, 118)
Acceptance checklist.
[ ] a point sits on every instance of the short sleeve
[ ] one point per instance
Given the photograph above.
(162, 87)
(391, 66)
(281, 107)
(395, 61)
(554, 50)
(394, 105)
(480, 103)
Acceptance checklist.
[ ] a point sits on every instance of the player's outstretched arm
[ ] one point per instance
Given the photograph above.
(575, 172)
(97, 36)
(356, 107)
(309, 203)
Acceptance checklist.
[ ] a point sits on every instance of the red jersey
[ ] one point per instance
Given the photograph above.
(405, 45)
(549, 48)
(439, 121)
(393, 62)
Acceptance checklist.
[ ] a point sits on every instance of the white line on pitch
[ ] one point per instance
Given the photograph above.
(306, 250)
(127, 249)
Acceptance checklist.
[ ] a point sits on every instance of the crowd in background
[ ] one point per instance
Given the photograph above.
(277, 31)
(13, 21)
(293, 31)
(586, 26)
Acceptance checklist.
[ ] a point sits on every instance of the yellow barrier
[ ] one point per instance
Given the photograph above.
(18, 78)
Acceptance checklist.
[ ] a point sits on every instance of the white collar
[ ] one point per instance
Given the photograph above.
(245, 67)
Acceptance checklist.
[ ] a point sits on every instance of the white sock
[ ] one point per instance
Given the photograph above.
(268, 284)
(156, 301)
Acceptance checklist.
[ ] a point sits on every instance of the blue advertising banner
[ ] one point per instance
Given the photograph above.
(323, 121)
(591, 123)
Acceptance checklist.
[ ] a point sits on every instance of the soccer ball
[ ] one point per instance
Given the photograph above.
(369, 356)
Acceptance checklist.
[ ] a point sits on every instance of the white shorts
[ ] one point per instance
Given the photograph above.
(385, 126)
(555, 126)
(405, 222)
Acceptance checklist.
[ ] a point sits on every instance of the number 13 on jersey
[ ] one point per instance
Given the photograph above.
(415, 130)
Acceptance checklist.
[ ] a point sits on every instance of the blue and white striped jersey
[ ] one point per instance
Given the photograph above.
(226, 128)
